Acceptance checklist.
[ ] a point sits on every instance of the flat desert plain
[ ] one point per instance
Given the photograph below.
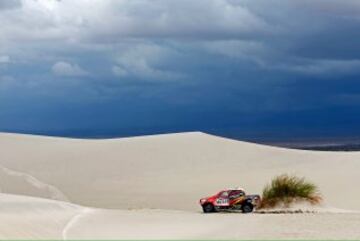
(148, 188)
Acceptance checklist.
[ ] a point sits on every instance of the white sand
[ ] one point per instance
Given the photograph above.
(161, 224)
(164, 172)
(33, 218)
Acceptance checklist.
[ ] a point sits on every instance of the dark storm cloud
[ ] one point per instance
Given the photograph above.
(9, 4)
(254, 60)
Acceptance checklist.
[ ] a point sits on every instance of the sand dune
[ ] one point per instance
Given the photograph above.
(168, 171)
(155, 182)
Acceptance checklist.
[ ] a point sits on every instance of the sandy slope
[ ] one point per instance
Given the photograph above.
(165, 224)
(24, 217)
(164, 171)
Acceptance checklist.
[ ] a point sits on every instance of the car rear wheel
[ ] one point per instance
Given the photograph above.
(247, 208)
(208, 208)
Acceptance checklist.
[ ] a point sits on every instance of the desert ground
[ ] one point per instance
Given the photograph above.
(148, 188)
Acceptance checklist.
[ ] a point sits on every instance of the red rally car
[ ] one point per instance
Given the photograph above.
(230, 199)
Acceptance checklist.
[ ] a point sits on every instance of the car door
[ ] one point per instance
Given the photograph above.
(223, 199)
(235, 197)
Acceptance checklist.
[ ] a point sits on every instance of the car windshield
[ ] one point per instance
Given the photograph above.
(224, 194)
(236, 194)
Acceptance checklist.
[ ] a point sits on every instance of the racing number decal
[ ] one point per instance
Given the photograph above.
(222, 202)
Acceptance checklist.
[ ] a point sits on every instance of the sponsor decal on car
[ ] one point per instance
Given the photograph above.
(222, 202)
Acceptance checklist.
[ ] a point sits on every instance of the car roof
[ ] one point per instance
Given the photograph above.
(234, 189)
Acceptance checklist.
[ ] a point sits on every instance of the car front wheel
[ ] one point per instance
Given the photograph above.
(208, 208)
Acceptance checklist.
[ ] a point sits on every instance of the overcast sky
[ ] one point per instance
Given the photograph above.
(127, 67)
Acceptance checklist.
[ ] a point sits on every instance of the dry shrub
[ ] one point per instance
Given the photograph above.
(286, 189)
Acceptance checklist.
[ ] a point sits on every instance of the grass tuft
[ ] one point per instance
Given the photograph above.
(286, 189)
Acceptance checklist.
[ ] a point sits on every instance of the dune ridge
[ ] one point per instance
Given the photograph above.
(45, 190)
